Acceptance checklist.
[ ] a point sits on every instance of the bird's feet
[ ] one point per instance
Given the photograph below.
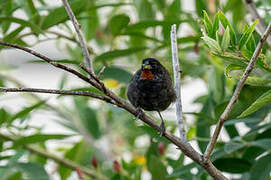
(139, 112)
(162, 129)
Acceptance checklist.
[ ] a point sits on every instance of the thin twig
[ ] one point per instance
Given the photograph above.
(52, 62)
(55, 158)
(177, 82)
(255, 15)
(81, 38)
(101, 72)
(236, 93)
(55, 91)
(186, 148)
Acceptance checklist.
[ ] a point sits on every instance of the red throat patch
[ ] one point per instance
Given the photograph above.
(147, 75)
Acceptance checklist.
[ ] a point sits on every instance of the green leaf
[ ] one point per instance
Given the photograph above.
(213, 44)
(247, 35)
(23, 113)
(258, 81)
(144, 9)
(261, 169)
(22, 22)
(32, 171)
(88, 117)
(118, 23)
(118, 74)
(225, 40)
(226, 23)
(215, 27)
(232, 165)
(118, 53)
(245, 120)
(38, 138)
(90, 25)
(207, 24)
(4, 115)
(11, 36)
(59, 15)
(232, 67)
(157, 168)
(72, 155)
(260, 102)
(200, 6)
(262, 143)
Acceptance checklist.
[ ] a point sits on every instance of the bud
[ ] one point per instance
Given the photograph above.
(79, 173)
(94, 162)
(116, 166)
(161, 148)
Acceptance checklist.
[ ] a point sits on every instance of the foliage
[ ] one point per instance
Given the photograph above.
(120, 34)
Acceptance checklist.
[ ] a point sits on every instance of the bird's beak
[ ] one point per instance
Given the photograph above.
(146, 66)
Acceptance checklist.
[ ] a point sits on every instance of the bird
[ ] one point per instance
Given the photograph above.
(151, 89)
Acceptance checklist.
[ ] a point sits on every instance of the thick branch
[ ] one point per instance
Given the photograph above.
(81, 38)
(177, 82)
(55, 91)
(255, 15)
(236, 93)
(184, 146)
(57, 159)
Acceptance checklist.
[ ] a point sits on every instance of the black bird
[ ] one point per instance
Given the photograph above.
(151, 88)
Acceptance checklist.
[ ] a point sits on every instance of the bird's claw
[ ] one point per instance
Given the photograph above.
(139, 112)
(162, 129)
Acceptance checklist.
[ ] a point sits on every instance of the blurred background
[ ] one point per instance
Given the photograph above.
(98, 135)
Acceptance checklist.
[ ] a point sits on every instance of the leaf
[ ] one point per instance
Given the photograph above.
(118, 53)
(261, 169)
(59, 15)
(11, 36)
(182, 170)
(72, 155)
(144, 9)
(260, 102)
(23, 113)
(215, 26)
(247, 35)
(226, 23)
(32, 170)
(200, 6)
(258, 81)
(118, 74)
(232, 165)
(4, 115)
(38, 138)
(245, 120)
(22, 22)
(233, 146)
(213, 44)
(262, 143)
(207, 24)
(232, 67)
(225, 40)
(157, 168)
(88, 117)
(118, 23)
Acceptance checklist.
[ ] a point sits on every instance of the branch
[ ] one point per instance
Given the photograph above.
(55, 158)
(255, 15)
(81, 38)
(236, 93)
(177, 82)
(55, 91)
(53, 63)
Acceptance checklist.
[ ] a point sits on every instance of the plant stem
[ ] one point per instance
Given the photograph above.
(236, 93)
(177, 82)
